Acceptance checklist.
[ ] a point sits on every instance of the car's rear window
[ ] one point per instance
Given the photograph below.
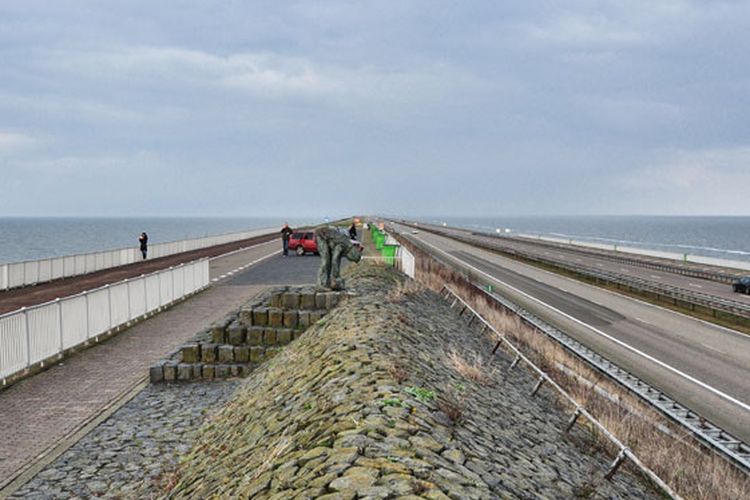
(309, 236)
(297, 236)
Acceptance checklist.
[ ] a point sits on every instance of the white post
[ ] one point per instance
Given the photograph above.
(59, 321)
(145, 296)
(127, 285)
(88, 330)
(109, 302)
(28, 338)
(171, 274)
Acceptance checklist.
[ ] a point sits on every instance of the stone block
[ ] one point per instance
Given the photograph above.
(236, 334)
(208, 353)
(184, 371)
(256, 354)
(222, 371)
(320, 300)
(307, 300)
(208, 372)
(170, 371)
(226, 354)
(246, 316)
(235, 370)
(276, 299)
(255, 335)
(298, 334)
(275, 317)
(332, 300)
(260, 316)
(283, 336)
(217, 333)
(156, 374)
(242, 354)
(303, 319)
(191, 353)
(245, 370)
(315, 316)
(197, 371)
(269, 336)
(290, 319)
(290, 300)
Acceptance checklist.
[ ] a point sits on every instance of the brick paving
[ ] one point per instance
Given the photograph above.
(40, 411)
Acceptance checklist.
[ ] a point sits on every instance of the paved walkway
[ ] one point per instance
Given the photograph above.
(39, 412)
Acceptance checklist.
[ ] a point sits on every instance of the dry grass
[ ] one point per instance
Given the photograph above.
(403, 289)
(676, 457)
(452, 404)
(473, 370)
(398, 371)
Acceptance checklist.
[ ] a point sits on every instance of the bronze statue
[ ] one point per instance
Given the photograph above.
(332, 246)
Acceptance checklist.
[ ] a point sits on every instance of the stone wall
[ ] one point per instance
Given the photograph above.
(393, 395)
(257, 331)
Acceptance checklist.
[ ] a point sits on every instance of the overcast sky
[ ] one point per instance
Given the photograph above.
(400, 107)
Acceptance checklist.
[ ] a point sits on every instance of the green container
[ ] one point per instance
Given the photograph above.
(389, 253)
(379, 241)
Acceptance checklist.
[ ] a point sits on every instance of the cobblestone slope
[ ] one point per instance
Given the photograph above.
(387, 397)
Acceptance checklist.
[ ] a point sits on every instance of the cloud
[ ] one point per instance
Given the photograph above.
(14, 142)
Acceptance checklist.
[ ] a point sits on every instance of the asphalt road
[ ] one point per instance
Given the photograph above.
(577, 258)
(703, 366)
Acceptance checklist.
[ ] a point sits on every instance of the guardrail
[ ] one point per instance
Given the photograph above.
(31, 272)
(684, 268)
(579, 410)
(683, 257)
(34, 334)
(737, 308)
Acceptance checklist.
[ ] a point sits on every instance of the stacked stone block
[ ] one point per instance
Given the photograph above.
(233, 346)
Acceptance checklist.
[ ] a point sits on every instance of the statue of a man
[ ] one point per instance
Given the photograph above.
(332, 246)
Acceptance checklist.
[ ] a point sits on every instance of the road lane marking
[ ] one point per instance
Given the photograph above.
(664, 365)
(695, 285)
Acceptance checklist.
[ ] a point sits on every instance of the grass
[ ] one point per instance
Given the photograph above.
(676, 457)
(472, 370)
(424, 395)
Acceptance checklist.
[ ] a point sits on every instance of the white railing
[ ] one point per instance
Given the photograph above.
(408, 266)
(685, 257)
(31, 335)
(31, 272)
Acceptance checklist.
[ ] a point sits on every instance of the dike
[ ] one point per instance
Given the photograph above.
(393, 395)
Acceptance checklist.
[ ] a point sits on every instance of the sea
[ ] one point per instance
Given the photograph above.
(722, 237)
(31, 238)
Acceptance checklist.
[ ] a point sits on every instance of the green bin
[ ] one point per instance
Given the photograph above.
(389, 253)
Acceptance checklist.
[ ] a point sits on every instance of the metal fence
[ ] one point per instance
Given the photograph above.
(31, 335)
(16, 274)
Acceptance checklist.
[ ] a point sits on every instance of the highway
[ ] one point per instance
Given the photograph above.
(701, 365)
(574, 257)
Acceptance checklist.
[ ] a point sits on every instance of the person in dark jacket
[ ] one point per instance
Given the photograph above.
(353, 231)
(286, 232)
(143, 240)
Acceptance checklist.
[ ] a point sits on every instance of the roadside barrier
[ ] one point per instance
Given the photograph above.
(624, 453)
(35, 334)
(31, 272)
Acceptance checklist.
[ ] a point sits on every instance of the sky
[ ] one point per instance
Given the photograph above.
(247, 108)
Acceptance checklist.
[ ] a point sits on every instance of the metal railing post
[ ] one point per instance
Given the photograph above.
(60, 321)
(28, 337)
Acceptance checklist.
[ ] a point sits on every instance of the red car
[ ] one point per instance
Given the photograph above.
(303, 243)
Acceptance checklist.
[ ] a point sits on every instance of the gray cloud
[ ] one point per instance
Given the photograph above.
(137, 108)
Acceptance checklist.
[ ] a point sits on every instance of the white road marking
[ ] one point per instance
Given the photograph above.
(674, 370)
(654, 276)
(695, 285)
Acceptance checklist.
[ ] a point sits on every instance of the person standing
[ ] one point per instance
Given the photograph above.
(353, 231)
(286, 232)
(143, 240)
